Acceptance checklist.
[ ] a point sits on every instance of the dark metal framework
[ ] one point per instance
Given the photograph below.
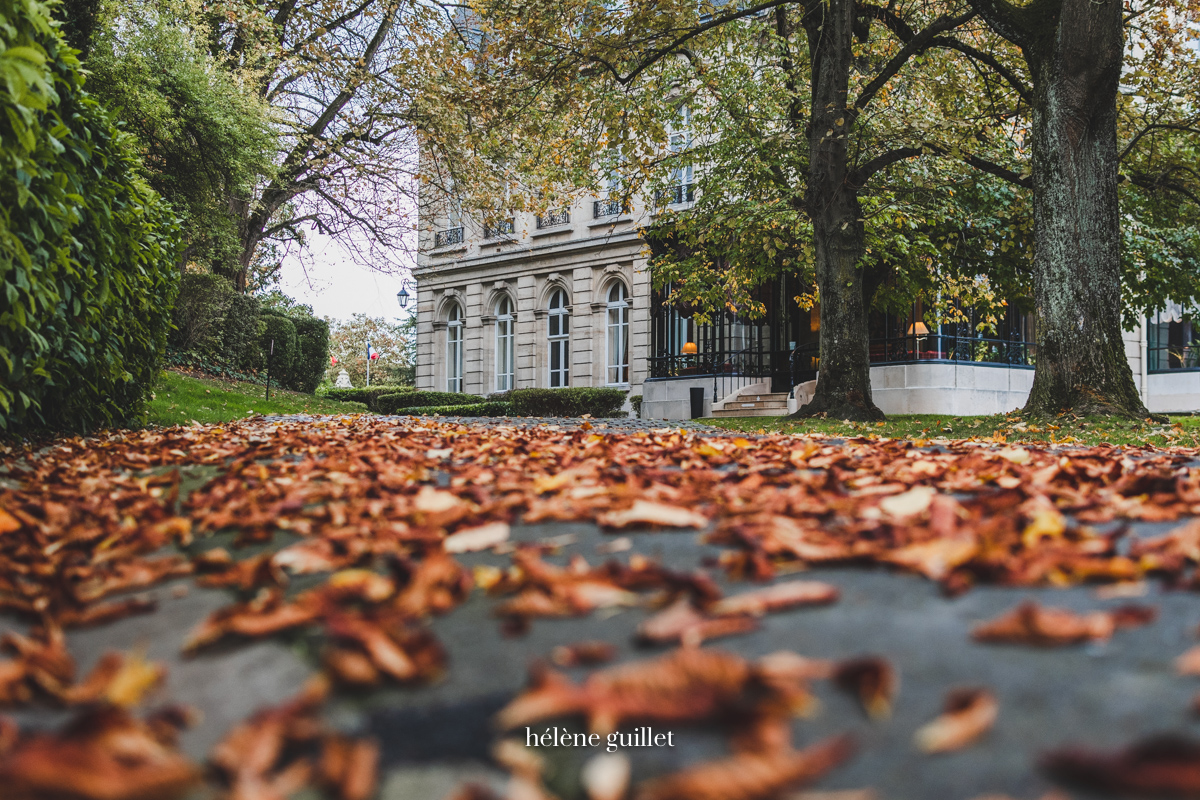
(783, 347)
(554, 218)
(502, 228)
(608, 208)
(448, 237)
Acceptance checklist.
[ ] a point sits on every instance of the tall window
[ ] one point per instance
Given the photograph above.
(504, 345)
(560, 332)
(454, 349)
(680, 188)
(618, 334)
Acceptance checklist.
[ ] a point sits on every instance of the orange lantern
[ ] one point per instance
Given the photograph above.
(689, 349)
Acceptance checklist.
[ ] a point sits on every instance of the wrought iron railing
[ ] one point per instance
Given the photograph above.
(554, 218)
(675, 195)
(503, 228)
(608, 208)
(937, 347)
(448, 237)
(1171, 358)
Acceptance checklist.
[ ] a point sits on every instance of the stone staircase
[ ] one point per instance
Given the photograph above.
(753, 405)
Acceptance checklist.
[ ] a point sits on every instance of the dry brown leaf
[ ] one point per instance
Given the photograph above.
(775, 598)
(478, 538)
(647, 513)
(1167, 765)
(583, 654)
(1030, 623)
(682, 623)
(749, 776)
(685, 685)
(873, 679)
(105, 754)
(968, 714)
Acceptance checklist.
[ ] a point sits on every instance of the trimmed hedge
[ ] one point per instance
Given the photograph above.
(567, 402)
(281, 330)
(88, 252)
(312, 353)
(368, 394)
(215, 322)
(488, 409)
(389, 402)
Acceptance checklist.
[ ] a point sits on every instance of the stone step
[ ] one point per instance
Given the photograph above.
(750, 412)
(755, 405)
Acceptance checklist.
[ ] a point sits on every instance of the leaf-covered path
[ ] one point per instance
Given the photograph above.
(773, 594)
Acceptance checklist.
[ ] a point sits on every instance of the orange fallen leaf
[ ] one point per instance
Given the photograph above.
(105, 754)
(682, 623)
(478, 538)
(1030, 623)
(873, 679)
(749, 776)
(968, 714)
(648, 512)
(775, 598)
(1168, 764)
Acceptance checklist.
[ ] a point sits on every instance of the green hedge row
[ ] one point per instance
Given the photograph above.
(88, 252)
(388, 403)
(567, 402)
(216, 324)
(368, 395)
(486, 409)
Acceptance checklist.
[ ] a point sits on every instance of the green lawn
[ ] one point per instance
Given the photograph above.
(1182, 431)
(180, 399)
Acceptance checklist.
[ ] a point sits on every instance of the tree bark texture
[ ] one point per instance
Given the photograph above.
(1074, 49)
(844, 384)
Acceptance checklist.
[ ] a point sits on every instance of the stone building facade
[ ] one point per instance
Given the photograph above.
(560, 300)
(565, 300)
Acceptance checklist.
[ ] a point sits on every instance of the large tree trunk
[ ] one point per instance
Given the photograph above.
(1074, 49)
(844, 375)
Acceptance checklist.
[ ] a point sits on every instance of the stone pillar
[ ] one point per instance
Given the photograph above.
(586, 338)
(475, 339)
(526, 333)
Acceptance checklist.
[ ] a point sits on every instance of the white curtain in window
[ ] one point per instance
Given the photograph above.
(454, 349)
(618, 334)
(504, 345)
(559, 332)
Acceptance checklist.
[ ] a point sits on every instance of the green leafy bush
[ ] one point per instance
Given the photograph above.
(567, 402)
(88, 252)
(386, 404)
(215, 322)
(488, 409)
(368, 394)
(312, 353)
(635, 400)
(280, 330)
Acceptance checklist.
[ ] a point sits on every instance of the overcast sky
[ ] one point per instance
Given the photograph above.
(336, 287)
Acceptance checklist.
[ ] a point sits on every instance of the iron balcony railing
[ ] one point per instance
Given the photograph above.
(912, 348)
(448, 237)
(608, 208)
(675, 195)
(554, 218)
(503, 228)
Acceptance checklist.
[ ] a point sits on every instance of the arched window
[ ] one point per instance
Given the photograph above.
(560, 337)
(454, 348)
(618, 334)
(504, 345)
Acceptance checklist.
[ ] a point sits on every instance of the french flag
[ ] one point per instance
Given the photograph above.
(372, 353)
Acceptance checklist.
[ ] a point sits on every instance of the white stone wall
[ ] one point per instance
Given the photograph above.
(950, 388)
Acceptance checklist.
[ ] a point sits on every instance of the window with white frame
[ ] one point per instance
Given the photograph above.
(560, 338)
(680, 188)
(618, 334)
(504, 345)
(454, 349)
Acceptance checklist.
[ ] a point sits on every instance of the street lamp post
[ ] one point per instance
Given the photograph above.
(402, 296)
